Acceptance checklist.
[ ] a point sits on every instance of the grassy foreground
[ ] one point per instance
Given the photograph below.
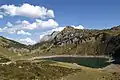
(35, 70)
(92, 74)
(51, 70)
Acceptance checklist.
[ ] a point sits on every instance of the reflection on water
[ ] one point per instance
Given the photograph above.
(93, 62)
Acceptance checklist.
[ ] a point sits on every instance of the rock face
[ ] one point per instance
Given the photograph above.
(113, 46)
(46, 38)
(89, 42)
(72, 36)
(49, 37)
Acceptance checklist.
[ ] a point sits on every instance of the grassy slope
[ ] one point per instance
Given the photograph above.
(51, 70)
(92, 74)
(10, 43)
(6, 53)
(70, 49)
(35, 70)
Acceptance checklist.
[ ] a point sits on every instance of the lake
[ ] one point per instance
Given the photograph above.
(94, 62)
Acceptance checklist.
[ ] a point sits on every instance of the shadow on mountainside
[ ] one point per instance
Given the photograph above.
(116, 56)
(113, 48)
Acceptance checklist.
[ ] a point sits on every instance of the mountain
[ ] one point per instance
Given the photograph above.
(70, 41)
(49, 37)
(11, 48)
(7, 43)
(44, 41)
(116, 28)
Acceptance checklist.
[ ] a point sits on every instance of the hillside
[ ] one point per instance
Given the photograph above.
(11, 48)
(7, 43)
(71, 41)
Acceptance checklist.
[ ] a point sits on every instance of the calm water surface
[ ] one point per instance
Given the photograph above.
(93, 62)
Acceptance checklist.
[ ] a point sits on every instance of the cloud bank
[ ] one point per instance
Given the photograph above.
(27, 10)
(27, 41)
(23, 32)
(26, 25)
(40, 24)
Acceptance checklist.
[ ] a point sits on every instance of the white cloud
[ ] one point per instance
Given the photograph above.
(44, 33)
(28, 11)
(78, 27)
(46, 24)
(9, 24)
(0, 29)
(1, 16)
(40, 24)
(25, 22)
(46, 38)
(50, 31)
(27, 41)
(25, 25)
(50, 13)
(23, 32)
(30, 26)
(61, 28)
(58, 29)
(10, 30)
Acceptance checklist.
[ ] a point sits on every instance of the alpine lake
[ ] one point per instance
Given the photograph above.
(93, 62)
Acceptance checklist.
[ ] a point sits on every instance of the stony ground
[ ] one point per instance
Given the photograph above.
(93, 74)
(35, 70)
(52, 70)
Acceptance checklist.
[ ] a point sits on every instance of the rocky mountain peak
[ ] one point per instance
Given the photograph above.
(68, 29)
(116, 28)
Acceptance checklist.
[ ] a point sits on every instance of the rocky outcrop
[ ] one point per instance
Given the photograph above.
(72, 36)
(49, 37)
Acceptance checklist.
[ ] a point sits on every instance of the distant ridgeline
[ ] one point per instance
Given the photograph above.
(71, 41)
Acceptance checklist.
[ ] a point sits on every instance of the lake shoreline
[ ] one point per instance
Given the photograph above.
(88, 61)
(77, 56)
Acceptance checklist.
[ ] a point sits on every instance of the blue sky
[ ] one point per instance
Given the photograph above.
(32, 25)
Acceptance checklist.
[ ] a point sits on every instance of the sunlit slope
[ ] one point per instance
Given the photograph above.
(4, 52)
